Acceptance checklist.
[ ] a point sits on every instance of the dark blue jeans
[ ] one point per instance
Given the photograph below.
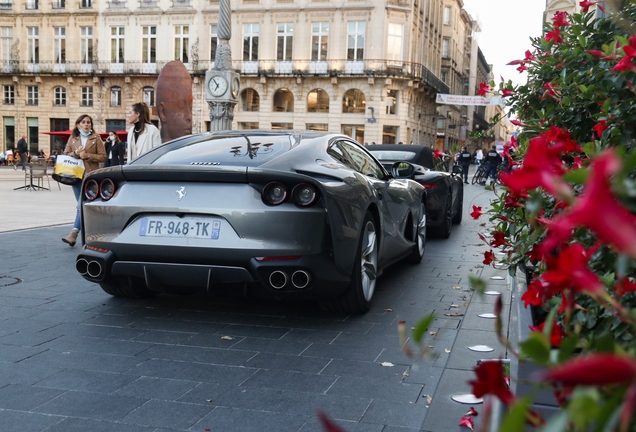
(490, 169)
(465, 171)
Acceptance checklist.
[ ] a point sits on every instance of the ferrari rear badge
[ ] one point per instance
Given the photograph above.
(181, 192)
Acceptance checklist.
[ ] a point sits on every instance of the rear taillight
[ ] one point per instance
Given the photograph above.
(91, 189)
(274, 193)
(105, 189)
(304, 195)
(428, 185)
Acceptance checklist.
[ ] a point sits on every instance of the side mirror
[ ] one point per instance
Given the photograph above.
(457, 169)
(402, 170)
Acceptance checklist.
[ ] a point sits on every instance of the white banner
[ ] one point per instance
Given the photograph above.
(448, 99)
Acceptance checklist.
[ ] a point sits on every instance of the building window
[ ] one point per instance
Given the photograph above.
(354, 101)
(86, 45)
(394, 45)
(389, 134)
(447, 13)
(6, 4)
(317, 126)
(32, 4)
(87, 96)
(214, 40)
(446, 48)
(250, 100)
(9, 95)
(33, 95)
(318, 101)
(287, 126)
(250, 42)
(319, 41)
(182, 43)
(149, 44)
(444, 77)
(285, 42)
(59, 4)
(33, 44)
(283, 101)
(115, 96)
(149, 96)
(117, 35)
(7, 44)
(59, 44)
(59, 96)
(355, 40)
(86, 4)
(391, 101)
(247, 125)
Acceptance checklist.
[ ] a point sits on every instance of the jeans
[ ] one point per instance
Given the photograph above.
(77, 190)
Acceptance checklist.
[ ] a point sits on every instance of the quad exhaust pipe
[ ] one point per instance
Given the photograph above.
(299, 279)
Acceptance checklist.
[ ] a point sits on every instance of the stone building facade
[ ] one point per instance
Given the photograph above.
(368, 68)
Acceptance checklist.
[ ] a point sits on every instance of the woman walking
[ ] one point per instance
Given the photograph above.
(83, 144)
(143, 136)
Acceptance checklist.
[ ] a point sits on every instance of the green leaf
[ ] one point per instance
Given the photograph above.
(515, 419)
(557, 423)
(537, 347)
(477, 284)
(567, 347)
(421, 327)
(583, 408)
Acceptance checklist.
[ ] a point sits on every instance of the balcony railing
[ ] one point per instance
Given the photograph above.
(181, 3)
(273, 68)
(148, 3)
(116, 4)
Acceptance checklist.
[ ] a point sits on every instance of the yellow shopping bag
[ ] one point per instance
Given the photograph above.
(68, 170)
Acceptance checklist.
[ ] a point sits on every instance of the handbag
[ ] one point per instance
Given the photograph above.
(68, 170)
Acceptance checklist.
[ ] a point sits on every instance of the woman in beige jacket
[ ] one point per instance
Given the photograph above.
(83, 144)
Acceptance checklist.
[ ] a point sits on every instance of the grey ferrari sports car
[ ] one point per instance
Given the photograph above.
(445, 190)
(285, 214)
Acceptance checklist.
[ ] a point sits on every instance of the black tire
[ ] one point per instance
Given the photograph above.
(478, 176)
(460, 208)
(359, 294)
(420, 238)
(447, 226)
(126, 287)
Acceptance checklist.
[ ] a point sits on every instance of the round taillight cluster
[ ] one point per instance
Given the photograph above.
(303, 194)
(105, 189)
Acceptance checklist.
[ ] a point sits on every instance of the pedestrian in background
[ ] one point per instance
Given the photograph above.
(492, 161)
(479, 155)
(143, 136)
(87, 145)
(114, 150)
(23, 151)
(463, 159)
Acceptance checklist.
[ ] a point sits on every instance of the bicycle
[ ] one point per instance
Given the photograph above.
(479, 174)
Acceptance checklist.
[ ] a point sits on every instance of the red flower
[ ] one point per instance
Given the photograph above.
(585, 5)
(535, 294)
(529, 56)
(476, 212)
(617, 227)
(624, 286)
(522, 67)
(550, 90)
(569, 270)
(560, 19)
(499, 239)
(488, 257)
(467, 422)
(556, 335)
(600, 127)
(554, 35)
(593, 370)
(490, 380)
(483, 89)
(505, 92)
(595, 53)
(472, 412)
(517, 123)
(514, 62)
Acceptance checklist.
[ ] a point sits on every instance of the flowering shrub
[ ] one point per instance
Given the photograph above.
(566, 218)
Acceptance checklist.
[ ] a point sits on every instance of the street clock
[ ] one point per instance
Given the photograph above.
(222, 85)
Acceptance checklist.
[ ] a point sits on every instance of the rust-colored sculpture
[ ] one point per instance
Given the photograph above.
(174, 101)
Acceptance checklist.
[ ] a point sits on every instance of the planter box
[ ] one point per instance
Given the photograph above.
(521, 319)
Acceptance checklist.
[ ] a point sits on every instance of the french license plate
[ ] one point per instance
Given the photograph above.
(176, 227)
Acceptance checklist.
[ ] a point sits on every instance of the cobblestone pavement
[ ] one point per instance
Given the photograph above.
(73, 358)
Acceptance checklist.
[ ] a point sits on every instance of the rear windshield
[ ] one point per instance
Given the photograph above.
(393, 155)
(226, 151)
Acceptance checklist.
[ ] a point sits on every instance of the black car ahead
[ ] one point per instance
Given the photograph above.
(445, 190)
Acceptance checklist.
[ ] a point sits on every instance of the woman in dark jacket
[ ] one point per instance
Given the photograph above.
(83, 144)
(114, 150)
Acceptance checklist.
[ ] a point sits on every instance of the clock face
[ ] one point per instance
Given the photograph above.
(217, 85)
(236, 87)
